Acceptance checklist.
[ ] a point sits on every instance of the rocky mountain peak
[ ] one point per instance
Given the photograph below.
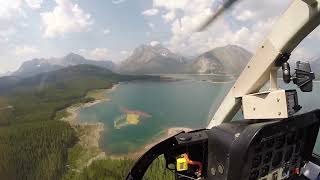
(40, 65)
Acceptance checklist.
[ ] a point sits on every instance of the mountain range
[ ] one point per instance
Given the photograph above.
(153, 60)
(147, 59)
(229, 59)
(42, 65)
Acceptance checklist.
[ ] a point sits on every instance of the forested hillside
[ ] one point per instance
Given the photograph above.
(118, 169)
(35, 150)
(32, 144)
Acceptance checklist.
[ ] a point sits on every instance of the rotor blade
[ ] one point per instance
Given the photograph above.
(211, 19)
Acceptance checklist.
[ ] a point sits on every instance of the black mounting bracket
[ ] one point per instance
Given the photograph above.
(303, 76)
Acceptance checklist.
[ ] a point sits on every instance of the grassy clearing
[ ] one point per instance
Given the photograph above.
(97, 94)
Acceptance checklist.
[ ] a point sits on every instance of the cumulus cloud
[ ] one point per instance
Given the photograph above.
(154, 43)
(9, 9)
(96, 53)
(117, 1)
(170, 16)
(258, 10)
(10, 12)
(124, 54)
(34, 4)
(245, 15)
(104, 54)
(150, 12)
(194, 12)
(246, 24)
(25, 50)
(173, 4)
(66, 17)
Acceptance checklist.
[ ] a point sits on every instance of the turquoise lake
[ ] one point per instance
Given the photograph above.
(185, 103)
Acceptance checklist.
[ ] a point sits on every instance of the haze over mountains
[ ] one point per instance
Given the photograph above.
(150, 60)
(229, 59)
(41, 65)
(8, 73)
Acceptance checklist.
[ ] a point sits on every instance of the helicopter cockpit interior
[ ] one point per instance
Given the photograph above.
(272, 142)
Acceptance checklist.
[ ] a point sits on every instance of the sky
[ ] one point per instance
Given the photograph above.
(111, 29)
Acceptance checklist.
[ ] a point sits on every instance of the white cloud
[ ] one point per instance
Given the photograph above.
(245, 15)
(315, 34)
(246, 24)
(9, 9)
(104, 54)
(106, 31)
(96, 54)
(220, 34)
(66, 17)
(154, 43)
(171, 4)
(124, 52)
(25, 50)
(187, 6)
(150, 12)
(300, 53)
(261, 9)
(34, 4)
(117, 1)
(10, 12)
(170, 16)
(151, 25)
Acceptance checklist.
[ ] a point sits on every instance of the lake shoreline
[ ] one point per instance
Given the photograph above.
(92, 133)
(94, 137)
(97, 129)
(169, 132)
(73, 110)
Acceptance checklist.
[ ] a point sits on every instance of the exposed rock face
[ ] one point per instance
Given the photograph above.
(153, 60)
(229, 59)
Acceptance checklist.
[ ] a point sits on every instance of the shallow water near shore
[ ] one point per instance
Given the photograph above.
(185, 103)
(182, 103)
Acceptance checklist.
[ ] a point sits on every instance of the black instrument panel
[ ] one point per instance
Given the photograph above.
(278, 151)
(262, 150)
(247, 149)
